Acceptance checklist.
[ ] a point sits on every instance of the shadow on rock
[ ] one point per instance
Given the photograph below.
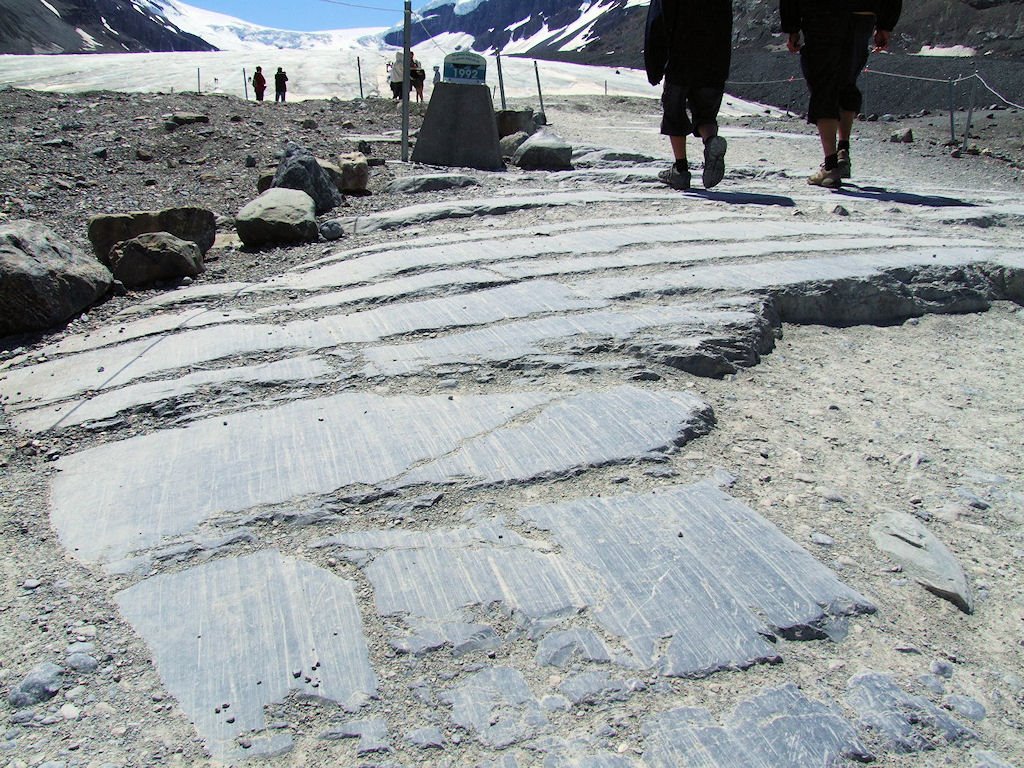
(743, 198)
(884, 195)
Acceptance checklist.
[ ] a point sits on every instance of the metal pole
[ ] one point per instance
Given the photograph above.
(245, 83)
(199, 83)
(501, 80)
(540, 95)
(359, 69)
(407, 44)
(952, 109)
(970, 114)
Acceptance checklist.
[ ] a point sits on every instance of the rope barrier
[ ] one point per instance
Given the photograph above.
(367, 7)
(995, 92)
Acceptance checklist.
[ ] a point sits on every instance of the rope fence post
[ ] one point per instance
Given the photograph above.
(359, 73)
(406, 48)
(540, 94)
(199, 82)
(245, 83)
(970, 112)
(501, 79)
(952, 110)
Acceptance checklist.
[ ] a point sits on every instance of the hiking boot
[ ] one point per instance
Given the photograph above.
(714, 161)
(674, 178)
(828, 178)
(845, 168)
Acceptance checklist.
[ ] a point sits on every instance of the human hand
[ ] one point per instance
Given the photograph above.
(882, 37)
(793, 43)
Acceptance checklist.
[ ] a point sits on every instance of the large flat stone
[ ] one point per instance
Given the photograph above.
(246, 632)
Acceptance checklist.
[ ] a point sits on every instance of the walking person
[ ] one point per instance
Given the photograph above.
(836, 36)
(689, 44)
(259, 83)
(417, 76)
(397, 76)
(280, 85)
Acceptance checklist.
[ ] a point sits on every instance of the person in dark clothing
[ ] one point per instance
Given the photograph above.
(280, 85)
(259, 83)
(689, 44)
(836, 37)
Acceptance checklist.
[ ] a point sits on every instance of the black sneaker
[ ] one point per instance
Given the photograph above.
(675, 178)
(714, 161)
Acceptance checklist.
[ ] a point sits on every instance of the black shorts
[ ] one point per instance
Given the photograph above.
(834, 53)
(685, 109)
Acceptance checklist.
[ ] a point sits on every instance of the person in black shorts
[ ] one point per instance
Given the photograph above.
(836, 36)
(689, 44)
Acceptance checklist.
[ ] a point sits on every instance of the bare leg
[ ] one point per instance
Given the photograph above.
(828, 127)
(846, 124)
(678, 147)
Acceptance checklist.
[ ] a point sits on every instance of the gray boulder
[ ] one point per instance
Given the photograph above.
(299, 170)
(155, 256)
(265, 181)
(278, 216)
(196, 224)
(509, 144)
(431, 183)
(544, 151)
(514, 121)
(41, 684)
(44, 280)
(923, 557)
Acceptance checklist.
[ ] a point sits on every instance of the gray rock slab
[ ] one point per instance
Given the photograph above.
(495, 206)
(904, 722)
(304, 370)
(118, 365)
(497, 706)
(436, 182)
(291, 628)
(777, 728)
(692, 579)
(597, 686)
(322, 445)
(924, 557)
(688, 580)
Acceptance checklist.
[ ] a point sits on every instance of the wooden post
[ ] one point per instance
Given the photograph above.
(199, 83)
(540, 95)
(501, 80)
(359, 70)
(407, 46)
(245, 83)
(952, 109)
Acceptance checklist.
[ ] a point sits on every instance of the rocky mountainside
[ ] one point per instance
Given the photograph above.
(91, 26)
(610, 31)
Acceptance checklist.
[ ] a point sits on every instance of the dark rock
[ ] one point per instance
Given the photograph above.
(299, 170)
(250, 161)
(511, 143)
(44, 280)
(265, 181)
(332, 230)
(278, 216)
(100, 153)
(544, 151)
(41, 684)
(196, 224)
(155, 256)
(188, 118)
(512, 121)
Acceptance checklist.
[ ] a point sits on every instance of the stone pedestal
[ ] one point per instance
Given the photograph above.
(459, 129)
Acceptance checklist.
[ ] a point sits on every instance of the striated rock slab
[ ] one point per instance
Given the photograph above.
(689, 580)
(497, 706)
(906, 723)
(924, 557)
(291, 628)
(112, 500)
(777, 728)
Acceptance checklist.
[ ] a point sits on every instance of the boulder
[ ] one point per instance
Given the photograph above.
(196, 224)
(155, 256)
(923, 557)
(265, 181)
(44, 280)
(300, 171)
(431, 183)
(278, 216)
(511, 121)
(544, 151)
(355, 172)
(511, 143)
(39, 685)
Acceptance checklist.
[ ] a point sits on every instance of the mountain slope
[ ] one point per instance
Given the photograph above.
(90, 26)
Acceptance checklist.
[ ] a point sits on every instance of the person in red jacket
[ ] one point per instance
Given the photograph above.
(689, 44)
(836, 36)
(259, 83)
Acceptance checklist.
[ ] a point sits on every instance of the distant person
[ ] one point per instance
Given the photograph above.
(437, 74)
(397, 76)
(836, 34)
(280, 85)
(259, 83)
(689, 44)
(417, 76)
